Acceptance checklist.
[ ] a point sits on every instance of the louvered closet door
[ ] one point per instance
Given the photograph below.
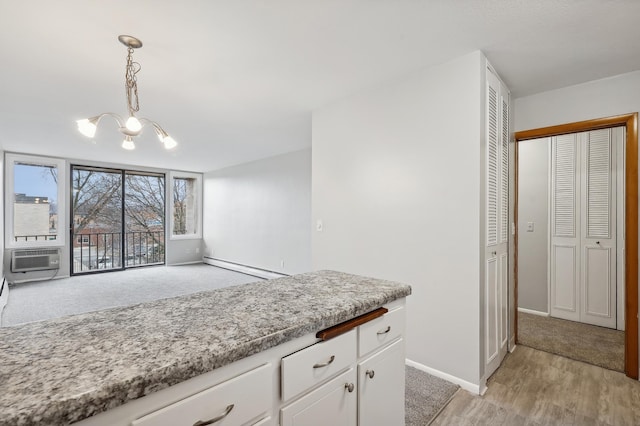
(583, 231)
(598, 242)
(497, 226)
(565, 241)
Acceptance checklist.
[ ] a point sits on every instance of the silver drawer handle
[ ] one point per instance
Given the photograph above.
(324, 364)
(215, 419)
(370, 373)
(349, 387)
(388, 329)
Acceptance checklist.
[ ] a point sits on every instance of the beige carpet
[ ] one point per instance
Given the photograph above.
(595, 345)
(425, 396)
(41, 300)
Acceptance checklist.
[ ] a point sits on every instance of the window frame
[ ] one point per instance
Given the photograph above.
(173, 175)
(11, 160)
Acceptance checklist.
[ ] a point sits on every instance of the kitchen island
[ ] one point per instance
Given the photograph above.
(69, 369)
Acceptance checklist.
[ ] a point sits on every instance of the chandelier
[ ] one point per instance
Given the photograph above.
(132, 127)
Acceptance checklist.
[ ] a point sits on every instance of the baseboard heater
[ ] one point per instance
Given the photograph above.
(35, 260)
(245, 269)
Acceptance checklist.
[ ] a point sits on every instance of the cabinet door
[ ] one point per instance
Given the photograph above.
(381, 387)
(331, 404)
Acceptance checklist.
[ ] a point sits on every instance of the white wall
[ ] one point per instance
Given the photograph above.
(533, 206)
(180, 252)
(259, 214)
(595, 99)
(396, 182)
(5, 292)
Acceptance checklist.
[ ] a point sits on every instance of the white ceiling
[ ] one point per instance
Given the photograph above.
(236, 80)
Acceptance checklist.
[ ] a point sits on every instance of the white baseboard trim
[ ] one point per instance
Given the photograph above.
(57, 277)
(249, 270)
(532, 312)
(193, 262)
(468, 386)
(512, 344)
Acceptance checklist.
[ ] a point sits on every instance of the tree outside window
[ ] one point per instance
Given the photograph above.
(184, 209)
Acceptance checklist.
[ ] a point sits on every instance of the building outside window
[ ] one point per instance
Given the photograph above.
(36, 185)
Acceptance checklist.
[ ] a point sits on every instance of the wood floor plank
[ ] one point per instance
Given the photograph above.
(535, 388)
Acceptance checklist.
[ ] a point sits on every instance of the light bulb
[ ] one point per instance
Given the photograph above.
(128, 144)
(87, 127)
(133, 124)
(169, 142)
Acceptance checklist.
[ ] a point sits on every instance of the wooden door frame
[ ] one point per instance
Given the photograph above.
(630, 121)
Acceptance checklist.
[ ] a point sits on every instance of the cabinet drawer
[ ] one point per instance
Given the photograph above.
(306, 368)
(380, 331)
(242, 398)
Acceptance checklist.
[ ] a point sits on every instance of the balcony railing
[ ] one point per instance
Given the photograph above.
(102, 250)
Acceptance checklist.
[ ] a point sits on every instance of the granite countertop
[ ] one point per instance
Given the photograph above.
(67, 369)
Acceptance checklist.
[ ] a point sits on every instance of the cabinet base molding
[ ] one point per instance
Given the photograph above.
(468, 386)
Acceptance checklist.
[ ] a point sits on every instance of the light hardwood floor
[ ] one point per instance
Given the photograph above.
(538, 388)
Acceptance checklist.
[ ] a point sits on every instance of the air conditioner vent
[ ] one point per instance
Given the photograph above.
(35, 260)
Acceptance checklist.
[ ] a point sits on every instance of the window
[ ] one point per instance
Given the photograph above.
(186, 220)
(119, 218)
(35, 186)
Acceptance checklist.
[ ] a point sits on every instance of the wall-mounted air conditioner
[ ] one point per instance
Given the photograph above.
(35, 260)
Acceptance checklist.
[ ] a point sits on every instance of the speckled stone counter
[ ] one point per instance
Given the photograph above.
(63, 370)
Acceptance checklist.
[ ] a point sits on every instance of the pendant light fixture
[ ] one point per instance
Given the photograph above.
(132, 127)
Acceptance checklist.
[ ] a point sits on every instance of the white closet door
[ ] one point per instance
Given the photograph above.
(503, 246)
(598, 242)
(583, 232)
(497, 217)
(565, 250)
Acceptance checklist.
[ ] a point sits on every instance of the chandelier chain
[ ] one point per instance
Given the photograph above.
(131, 83)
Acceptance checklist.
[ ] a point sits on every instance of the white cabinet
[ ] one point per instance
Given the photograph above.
(365, 390)
(331, 404)
(305, 381)
(381, 387)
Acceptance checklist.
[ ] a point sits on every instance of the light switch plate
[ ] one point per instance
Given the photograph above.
(530, 226)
